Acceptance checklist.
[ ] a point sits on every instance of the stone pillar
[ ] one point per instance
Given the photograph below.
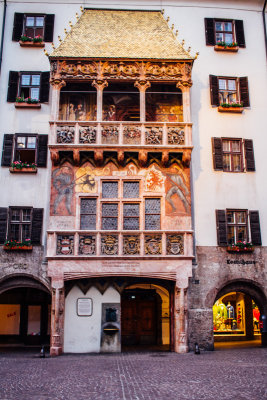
(180, 320)
(100, 86)
(185, 88)
(57, 317)
(142, 86)
(57, 85)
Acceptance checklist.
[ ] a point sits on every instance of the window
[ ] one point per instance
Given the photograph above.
(228, 31)
(28, 148)
(234, 225)
(20, 223)
(226, 90)
(28, 84)
(120, 207)
(233, 155)
(32, 25)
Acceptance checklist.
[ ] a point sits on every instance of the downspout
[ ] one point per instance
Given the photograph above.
(264, 25)
(3, 34)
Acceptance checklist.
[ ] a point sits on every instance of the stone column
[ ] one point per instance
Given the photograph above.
(180, 320)
(186, 104)
(57, 85)
(57, 317)
(100, 86)
(142, 86)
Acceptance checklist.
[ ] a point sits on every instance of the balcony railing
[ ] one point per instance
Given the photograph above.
(119, 244)
(148, 134)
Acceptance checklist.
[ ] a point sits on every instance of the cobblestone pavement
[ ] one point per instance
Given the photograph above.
(234, 374)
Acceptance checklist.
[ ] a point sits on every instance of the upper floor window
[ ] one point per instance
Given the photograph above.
(25, 85)
(226, 31)
(233, 155)
(27, 148)
(32, 25)
(120, 208)
(21, 223)
(229, 91)
(235, 225)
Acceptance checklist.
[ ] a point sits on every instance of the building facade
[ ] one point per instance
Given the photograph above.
(132, 208)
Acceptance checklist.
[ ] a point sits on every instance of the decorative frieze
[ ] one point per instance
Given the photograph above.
(176, 135)
(131, 245)
(65, 134)
(110, 134)
(175, 244)
(131, 135)
(153, 245)
(65, 244)
(109, 245)
(153, 135)
(87, 245)
(88, 134)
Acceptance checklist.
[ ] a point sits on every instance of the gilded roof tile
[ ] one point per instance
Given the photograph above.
(121, 34)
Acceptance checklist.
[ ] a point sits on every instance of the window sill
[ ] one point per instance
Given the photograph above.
(31, 44)
(229, 49)
(27, 105)
(16, 248)
(23, 170)
(236, 249)
(235, 110)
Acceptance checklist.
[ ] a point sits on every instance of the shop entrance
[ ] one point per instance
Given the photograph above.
(145, 317)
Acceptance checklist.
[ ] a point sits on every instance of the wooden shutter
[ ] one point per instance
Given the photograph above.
(3, 224)
(209, 31)
(239, 33)
(12, 86)
(45, 86)
(249, 155)
(18, 26)
(37, 223)
(214, 91)
(255, 230)
(49, 27)
(244, 95)
(217, 154)
(7, 150)
(221, 227)
(42, 150)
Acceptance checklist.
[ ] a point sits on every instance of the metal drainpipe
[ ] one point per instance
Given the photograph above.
(264, 25)
(3, 34)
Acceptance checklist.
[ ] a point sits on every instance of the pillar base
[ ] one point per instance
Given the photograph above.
(55, 351)
(181, 348)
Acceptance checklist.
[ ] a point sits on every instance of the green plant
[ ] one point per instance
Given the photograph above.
(224, 44)
(228, 105)
(242, 245)
(14, 243)
(28, 100)
(20, 165)
(24, 38)
(36, 39)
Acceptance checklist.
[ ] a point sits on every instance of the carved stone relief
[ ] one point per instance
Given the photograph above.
(65, 244)
(88, 134)
(131, 135)
(110, 134)
(176, 136)
(87, 244)
(153, 244)
(65, 134)
(153, 135)
(109, 245)
(175, 244)
(131, 244)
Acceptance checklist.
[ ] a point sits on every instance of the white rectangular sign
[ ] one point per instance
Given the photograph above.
(84, 307)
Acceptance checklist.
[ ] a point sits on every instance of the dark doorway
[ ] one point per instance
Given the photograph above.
(140, 317)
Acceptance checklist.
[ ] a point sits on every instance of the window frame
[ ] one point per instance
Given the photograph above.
(30, 86)
(223, 21)
(236, 225)
(231, 154)
(236, 91)
(20, 222)
(160, 219)
(26, 15)
(26, 135)
(88, 198)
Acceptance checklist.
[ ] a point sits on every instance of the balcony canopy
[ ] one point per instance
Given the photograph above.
(121, 34)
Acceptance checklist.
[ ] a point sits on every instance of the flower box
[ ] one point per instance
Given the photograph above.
(237, 110)
(31, 44)
(18, 247)
(237, 249)
(27, 105)
(232, 49)
(27, 170)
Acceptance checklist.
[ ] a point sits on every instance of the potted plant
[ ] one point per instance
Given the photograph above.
(231, 107)
(16, 245)
(242, 246)
(26, 41)
(21, 102)
(223, 46)
(20, 166)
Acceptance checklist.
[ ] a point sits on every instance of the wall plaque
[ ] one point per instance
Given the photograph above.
(84, 307)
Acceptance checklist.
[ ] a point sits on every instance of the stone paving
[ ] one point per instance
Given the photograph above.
(232, 374)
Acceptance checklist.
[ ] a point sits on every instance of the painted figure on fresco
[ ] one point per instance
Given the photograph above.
(63, 182)
(180, 189)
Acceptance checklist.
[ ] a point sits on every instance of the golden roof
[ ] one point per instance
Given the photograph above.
(121, 34)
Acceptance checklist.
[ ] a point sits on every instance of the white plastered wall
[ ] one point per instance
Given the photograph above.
(83, 334)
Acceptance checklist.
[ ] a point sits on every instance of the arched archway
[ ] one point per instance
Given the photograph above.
(25, 309)
(237, 310)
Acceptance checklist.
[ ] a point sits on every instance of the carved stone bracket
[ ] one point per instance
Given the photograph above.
(100, 84)
(120, 156)
(142, 158)
(76, 156)
(98, 157)
(57, 83)
(142, 86)
(54, 154)
(186, 158)
(165, 158)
